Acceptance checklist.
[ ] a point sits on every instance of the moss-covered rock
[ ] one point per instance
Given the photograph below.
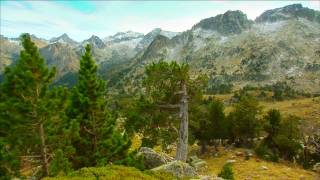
(153, 159)
(177, 168)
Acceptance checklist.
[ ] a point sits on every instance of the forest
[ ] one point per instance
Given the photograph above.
(58, 131)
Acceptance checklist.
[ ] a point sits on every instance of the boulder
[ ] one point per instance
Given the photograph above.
(196, 162)
(153, 159)
(264, 168)
(238, 153)
(177, 168)
(231, 161)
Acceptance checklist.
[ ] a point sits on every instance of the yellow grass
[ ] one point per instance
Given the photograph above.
(306, 108)
(252, 168)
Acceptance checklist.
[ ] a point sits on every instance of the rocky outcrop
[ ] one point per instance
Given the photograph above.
(94, 41)
(289, 12)
(196, 162)
(177, 168)
(64, 38)
(231, 22)
(153, 159)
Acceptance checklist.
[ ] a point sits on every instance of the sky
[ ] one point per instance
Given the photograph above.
(82, 19)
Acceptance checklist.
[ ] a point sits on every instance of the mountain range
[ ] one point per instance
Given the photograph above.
(281, 44)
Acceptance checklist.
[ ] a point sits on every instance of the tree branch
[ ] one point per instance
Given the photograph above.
(169, 106)
(88, 131)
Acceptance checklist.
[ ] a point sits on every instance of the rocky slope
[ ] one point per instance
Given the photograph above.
(231, 49)
(64, 52)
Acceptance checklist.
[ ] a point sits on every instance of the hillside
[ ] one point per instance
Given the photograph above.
(231, 49)
(64, 52)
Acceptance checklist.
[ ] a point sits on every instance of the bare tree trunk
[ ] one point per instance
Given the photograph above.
(45, 164)
(182, 149)
(203, 147)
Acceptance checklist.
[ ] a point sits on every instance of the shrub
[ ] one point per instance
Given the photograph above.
(226, 172)
(264, 152)
(112, 172)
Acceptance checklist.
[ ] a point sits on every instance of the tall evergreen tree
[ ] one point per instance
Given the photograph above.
(210, 123)
(26, 105)
(98, 142)
(245, 120)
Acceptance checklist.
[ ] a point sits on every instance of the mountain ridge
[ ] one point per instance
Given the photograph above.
(228, 46)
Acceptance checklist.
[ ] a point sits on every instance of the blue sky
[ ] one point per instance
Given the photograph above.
(81, 19)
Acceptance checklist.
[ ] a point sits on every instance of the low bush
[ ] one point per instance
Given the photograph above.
(226, 172)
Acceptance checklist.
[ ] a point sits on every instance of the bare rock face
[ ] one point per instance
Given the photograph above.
(289, 12)
(231, 22)
(177, 168)
(153, 159)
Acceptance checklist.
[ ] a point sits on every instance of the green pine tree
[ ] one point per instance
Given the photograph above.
(26, 107)
(98, 141)
(245, 121)
(210, 123)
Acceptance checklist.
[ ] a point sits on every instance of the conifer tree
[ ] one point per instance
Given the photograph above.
(25, 105)
(170, 88)
(244, 119)
(98, 141)
(210, 123)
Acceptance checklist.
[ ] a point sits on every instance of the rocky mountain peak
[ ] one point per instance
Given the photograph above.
(289, 12)
(64, 38)
(94, 41)
(231, 22)
(124, 36)
(151, 36)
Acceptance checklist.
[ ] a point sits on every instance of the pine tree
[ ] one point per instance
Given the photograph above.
(98, 141)
(210, 123)
(272, 127)
(169, 86)
(244, 119)
(25, 104)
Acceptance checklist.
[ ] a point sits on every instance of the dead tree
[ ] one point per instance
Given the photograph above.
(182, 147)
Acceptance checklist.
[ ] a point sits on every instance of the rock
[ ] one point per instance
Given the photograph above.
(239, 153)
(264, 168)
(177, 168)
(199, 165)
(206, 178)
(210, 178)
(231, 161)
(316, 167)
(153, 159)
(196, 162)
(248, 154)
